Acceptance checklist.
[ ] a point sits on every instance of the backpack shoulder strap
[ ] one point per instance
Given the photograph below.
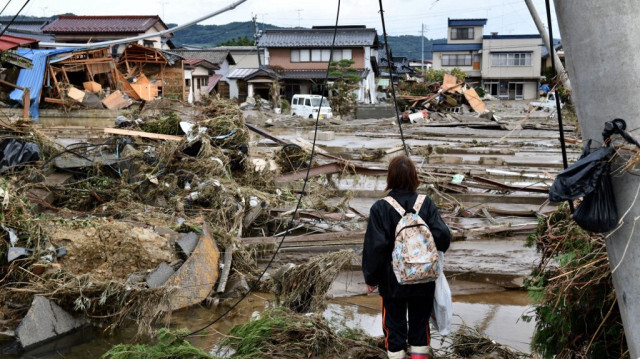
(419, 202)
(395, 205)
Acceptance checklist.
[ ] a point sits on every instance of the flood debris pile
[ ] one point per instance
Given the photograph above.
(132, 227)
(447, 96)
(303, 288)
(278, 333)
(466, 342)
(576, 310)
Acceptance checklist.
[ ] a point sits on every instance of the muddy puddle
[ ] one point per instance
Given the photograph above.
(495, 314)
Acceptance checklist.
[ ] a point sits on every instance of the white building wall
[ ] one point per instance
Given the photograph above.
(437, 62)
(489, 46)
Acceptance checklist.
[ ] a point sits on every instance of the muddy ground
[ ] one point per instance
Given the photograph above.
(506, 161)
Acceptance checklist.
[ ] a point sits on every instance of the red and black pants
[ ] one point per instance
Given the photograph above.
(397, 329)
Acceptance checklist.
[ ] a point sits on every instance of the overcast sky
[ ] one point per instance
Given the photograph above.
(402, 17)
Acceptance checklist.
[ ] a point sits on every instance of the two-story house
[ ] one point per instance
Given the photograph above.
(511, 65)
(300, 57)
(463, 48)
(506, 66)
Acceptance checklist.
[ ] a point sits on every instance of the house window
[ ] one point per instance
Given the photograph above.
(295, 55)
(316, 55)
(462, 33)
(511, 59)
(187, 82)
(456, 60)
(320, 55)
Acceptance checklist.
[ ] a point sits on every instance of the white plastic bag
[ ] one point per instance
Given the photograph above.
(442, 314)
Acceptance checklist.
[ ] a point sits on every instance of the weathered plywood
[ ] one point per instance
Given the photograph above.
(116, 101)
(474, 100)
(147, 91)
(92, 86)
(75, 94)
(197, 276)
(156, 136)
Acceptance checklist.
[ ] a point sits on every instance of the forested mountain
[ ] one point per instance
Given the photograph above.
(212, 35)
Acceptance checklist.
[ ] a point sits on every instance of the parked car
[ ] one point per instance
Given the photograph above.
(548, 102)
(307, 106)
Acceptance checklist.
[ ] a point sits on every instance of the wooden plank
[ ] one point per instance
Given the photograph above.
(474, 100)
(57, 101)
(155, 136)
(310, 239)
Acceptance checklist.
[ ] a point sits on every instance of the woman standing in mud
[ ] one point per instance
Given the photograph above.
(397, 299)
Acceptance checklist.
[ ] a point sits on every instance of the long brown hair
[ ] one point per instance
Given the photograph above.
(402, 174)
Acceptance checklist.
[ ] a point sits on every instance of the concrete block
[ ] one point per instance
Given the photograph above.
(187, 244)
(45, 321)
(445, 160)
(159, 276)
(323, 135)
(492, 161)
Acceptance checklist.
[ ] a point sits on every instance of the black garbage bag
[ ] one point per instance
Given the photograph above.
(581, 178)
(15, 152)
(598, 212)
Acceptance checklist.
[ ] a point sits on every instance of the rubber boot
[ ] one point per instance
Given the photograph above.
(396, 355)
(424, 352)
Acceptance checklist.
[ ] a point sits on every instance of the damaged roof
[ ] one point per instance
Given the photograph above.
(212, 55)
(11, 42)
(201, 62)
(348, 36)
(101, 24)
(467, 22)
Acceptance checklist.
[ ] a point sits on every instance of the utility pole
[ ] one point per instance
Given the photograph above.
(299, 10)
(255, 36)
(422, 35)
(564, 78)
(602, 46)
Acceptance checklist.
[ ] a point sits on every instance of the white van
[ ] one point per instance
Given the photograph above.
(307, 106)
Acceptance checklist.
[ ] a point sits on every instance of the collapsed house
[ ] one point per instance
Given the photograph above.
(93, 78)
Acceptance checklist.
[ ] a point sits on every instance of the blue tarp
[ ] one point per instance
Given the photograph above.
(33, 78)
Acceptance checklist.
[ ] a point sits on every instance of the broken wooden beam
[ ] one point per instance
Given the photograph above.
(155, 136)
(331, 168)
(310, 239)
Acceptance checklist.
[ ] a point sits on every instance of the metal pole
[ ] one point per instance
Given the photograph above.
(602, 44)
(422, 63)
(555, 59)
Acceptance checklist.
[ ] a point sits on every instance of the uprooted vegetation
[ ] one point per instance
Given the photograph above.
(576, 310)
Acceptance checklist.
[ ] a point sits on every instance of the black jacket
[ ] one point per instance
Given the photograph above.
(380, 239)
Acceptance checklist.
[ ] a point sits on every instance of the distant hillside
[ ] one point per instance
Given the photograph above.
(212, 35)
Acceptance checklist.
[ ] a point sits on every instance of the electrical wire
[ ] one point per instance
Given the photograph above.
(5, 7)
(302, 192)
(393, 89)
(14, 17)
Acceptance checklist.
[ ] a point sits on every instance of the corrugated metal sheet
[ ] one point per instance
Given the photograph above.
(241, 73)
(32, 78)
(455, 47)
(11, 42)
(506, 37)
(467, 22)
(318, 38)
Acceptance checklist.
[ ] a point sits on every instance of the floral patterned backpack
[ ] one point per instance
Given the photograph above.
(415, 257)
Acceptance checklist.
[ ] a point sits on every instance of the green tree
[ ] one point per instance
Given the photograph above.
(432, 75)
(238, 41)
(342, 96)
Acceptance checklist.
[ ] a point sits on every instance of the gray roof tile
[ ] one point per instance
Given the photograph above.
(318, 38)
(213, 56)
